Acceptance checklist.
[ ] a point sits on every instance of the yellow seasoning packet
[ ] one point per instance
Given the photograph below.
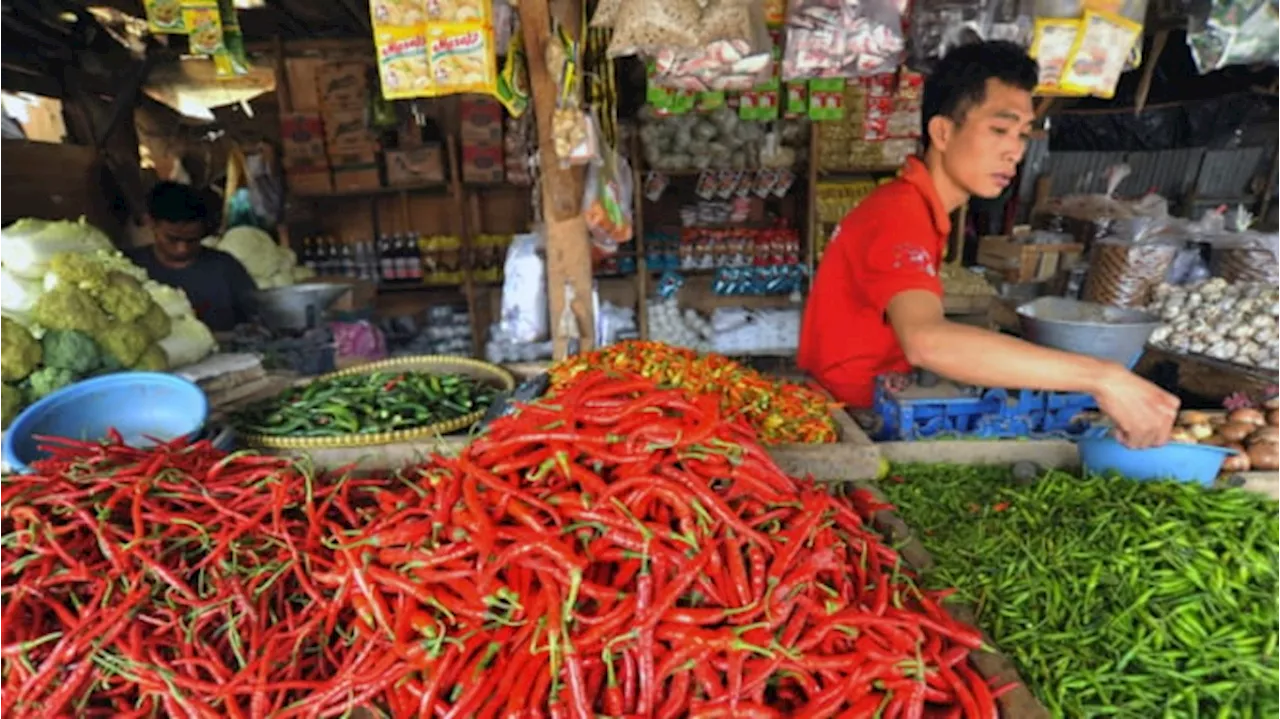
(165, 16)
(397, 13)
(204, 27)
(462, 59)
(459, 11)
(1050, 46)
(402, 62)
(1098, 56)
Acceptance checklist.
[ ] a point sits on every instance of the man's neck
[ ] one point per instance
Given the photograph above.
(949, 193)
(172, 264)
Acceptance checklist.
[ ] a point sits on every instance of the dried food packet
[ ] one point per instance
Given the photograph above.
(726, 181)
(826, 99)
(655, 183)
(785, 179)
(644, 26)
(765, 180)
(1099, 54)
(706, 188)
(743, 183)
(797, 101)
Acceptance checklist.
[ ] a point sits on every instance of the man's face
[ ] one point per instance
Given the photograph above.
(178, 242)
(981, 153)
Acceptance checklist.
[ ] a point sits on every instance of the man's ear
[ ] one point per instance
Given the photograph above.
(941, 128)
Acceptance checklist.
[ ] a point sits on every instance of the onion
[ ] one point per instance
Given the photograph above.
(1189, 417)
(1247, 415)
(1273, 403)
(1265, 456)
(1263, 434)
(1237, 462)
(1235, 431)
(1182, 434)
(1200, 431)
(1273, 417)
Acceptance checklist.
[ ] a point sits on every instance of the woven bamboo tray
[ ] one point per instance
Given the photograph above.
(436, 364)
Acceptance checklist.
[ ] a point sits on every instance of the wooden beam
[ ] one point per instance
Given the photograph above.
(125, 101)
(568, 247)
(1149, 70)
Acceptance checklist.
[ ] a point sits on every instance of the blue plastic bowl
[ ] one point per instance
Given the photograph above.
(1182, 462)
(137, 404)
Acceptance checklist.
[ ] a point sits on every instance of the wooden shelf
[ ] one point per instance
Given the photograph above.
(441, 187)
(857, 172)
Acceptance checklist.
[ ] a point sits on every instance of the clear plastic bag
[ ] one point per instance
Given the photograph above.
(645, 26)
(735, 53)
(842, 40)
(524, 290)
(573, 133)
(607, 202)
(1246, 257)
(1234, 32)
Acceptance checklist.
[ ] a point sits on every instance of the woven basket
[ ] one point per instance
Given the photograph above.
(1244, 264)
(436, 364)
(1126, 274)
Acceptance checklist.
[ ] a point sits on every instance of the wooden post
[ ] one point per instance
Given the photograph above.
(568, 247)
(1149, 70)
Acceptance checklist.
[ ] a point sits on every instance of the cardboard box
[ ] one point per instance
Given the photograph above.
(304, 91)
(356, 178)
(409, 136)
(302, 140)
(483, 162)
(303, 163)
(353, 158)
(309, 181)
(343, 84)
(420, 166)
(347, 130)
(1017, 260)
(481, 120)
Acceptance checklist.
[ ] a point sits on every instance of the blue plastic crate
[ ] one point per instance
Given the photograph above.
(977, 412)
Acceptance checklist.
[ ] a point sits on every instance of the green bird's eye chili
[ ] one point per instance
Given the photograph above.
(1113, 597)
(366, 404)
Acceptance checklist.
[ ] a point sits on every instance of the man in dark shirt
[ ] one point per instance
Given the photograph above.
(218, 286)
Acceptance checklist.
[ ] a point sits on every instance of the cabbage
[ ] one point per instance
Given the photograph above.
(172, 300)
(17, 294)
(189, 342)
(27, 246)
(255, 249)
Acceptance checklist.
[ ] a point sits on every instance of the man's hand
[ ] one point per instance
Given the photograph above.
(1143, 413)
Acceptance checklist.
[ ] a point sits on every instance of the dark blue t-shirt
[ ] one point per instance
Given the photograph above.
(218, 286)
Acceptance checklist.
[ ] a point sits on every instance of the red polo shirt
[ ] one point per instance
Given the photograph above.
(890, 243)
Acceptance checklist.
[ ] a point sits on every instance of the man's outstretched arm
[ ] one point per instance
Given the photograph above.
(1143, 413)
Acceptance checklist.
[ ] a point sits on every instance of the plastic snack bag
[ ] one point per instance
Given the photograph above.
(402, 62)
(1051, 47)
(462, 59)
(204, 27)
(607, 202)
(1099, 55)
(165, 16)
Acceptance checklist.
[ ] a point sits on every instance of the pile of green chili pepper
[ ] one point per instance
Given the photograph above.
(780, 412)
(366, 404)
(1113, 597)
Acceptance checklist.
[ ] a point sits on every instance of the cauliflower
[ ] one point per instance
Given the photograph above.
(71, 350)
(155, 323)
(20, 353)
(30, 245)
(78, 270)
(18, 295)
(115, 261)
(68, 308)
(11, 402)
(255, 249)
(47, 380)
(302, 274)
(125, 342)
(124, 298)
(153, 359)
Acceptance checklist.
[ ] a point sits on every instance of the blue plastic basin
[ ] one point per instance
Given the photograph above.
(1178, 461)
(137, 404)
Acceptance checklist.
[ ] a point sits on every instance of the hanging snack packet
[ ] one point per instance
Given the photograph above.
(397, 13)
(1099, 54)
(458, 11)
(402, 62)
(165, 16)
(462, 59)
(513, 82)
(204, 27)
(1050, 47)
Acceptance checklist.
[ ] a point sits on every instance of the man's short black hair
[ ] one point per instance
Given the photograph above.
(959, 80)
(176, 202)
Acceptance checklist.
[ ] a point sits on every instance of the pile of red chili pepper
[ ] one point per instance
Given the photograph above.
(781, 412)
(616, 550)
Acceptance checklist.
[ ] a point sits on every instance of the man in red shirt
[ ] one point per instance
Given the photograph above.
(876, 304)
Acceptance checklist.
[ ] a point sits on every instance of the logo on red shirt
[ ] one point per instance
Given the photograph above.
(907, 256)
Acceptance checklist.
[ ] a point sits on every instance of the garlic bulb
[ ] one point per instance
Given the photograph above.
(1234, 322)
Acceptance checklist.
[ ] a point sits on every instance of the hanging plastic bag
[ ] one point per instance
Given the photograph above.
(1234, 32)
(524, 290)
(606, 203)
(642, 27)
